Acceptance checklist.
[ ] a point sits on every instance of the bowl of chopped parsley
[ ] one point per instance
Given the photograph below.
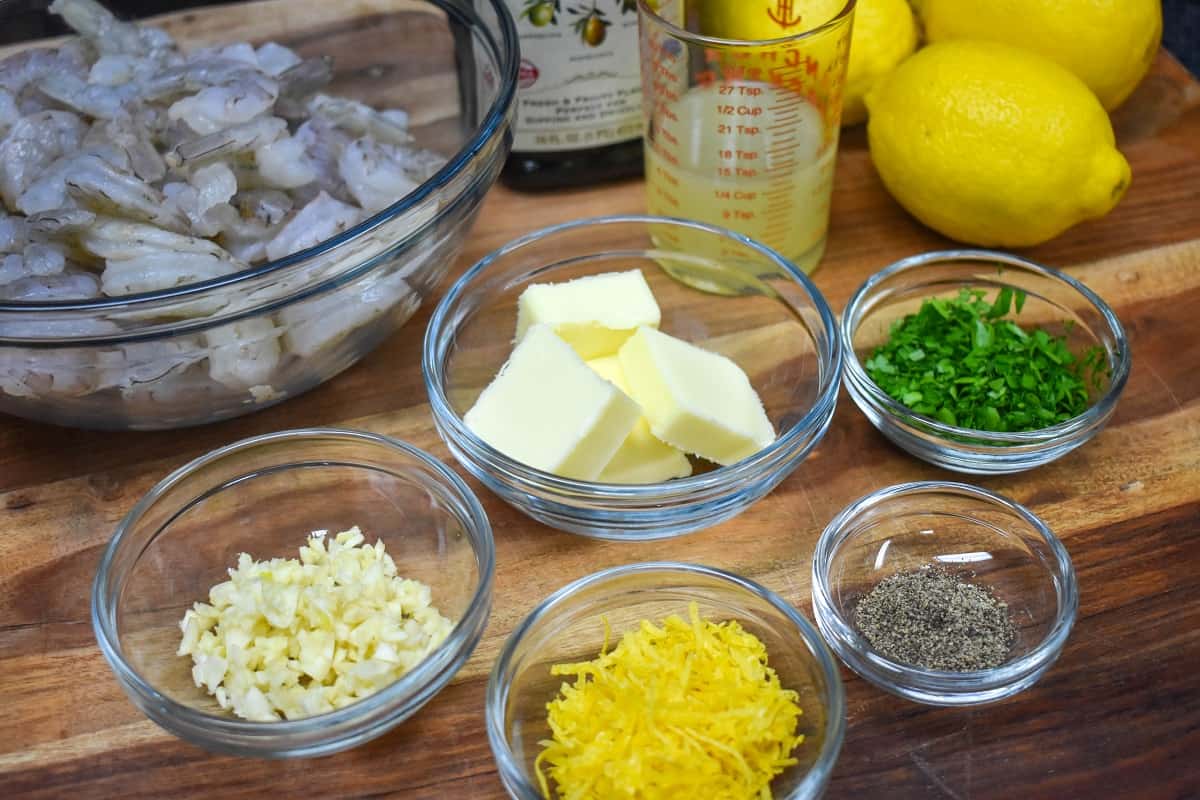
(983, 362)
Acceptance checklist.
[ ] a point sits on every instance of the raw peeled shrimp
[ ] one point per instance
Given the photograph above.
(246, 238)
(209, 187)
(9, 113)
(138, 363)
(33, 144)
(190, 74)
(133, 137)
(374, 174)
(323, 143)
(251, 135)
(358, 118)
(108, 34)
(315, 325)
(156, 270)
(12, 268)
(44, 259)
(27, 67)
(284, 163)
(171, 168)
(242, 52)
(244, 353)
(69, 285)
(323, 218)
(63, 371)
(57, 222)
(275, 59)
(299, 82)
(268, 206)
(91, 99)
(14, 233)
(121, 239)
(35, 260)
(101, 187)
(215, 108)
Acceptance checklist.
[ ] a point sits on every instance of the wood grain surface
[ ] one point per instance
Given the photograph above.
(1117, 716)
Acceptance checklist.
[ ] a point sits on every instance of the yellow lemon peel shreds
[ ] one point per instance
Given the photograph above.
(676, 710)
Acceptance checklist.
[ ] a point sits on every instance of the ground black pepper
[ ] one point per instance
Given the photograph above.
(932, 619)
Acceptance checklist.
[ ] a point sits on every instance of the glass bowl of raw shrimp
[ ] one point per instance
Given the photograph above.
(207, 212)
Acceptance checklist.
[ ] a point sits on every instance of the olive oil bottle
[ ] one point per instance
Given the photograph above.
(578, 114)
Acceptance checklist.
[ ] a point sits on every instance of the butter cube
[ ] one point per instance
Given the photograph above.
(550, 411)
(698, 401)
(594, 314)
(642, 457)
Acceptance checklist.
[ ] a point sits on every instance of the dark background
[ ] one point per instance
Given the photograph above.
(1181, 29)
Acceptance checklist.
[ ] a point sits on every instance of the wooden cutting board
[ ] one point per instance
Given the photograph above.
(1117, 716)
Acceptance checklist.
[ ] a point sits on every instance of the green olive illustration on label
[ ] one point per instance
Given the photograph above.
(592, 25)
(541, 12)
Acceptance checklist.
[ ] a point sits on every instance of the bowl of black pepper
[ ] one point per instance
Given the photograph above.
(943, 593)
(982, 362)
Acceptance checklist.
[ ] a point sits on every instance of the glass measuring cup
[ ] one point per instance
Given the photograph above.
(742, 132)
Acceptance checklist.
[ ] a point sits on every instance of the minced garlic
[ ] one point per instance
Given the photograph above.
(292, 638)
(685, 709)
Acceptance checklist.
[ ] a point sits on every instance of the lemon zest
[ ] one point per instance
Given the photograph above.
(678, 709)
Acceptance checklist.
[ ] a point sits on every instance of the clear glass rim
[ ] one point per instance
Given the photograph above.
(498, 680)
(894, 672)
(999, 443)
(404, 690)
(505, 52)
(830, 361)
(676, 32)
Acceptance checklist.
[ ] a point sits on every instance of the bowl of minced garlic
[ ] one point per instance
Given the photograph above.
(295, 594)
(289, 638)
(702, 684)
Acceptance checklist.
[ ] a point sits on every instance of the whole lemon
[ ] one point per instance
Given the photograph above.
(1110, 44)
(993, 145)
(885, 33)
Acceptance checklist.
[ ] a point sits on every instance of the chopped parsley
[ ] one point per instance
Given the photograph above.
(963, 362)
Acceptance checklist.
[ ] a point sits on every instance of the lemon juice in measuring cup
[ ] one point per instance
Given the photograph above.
(743, 133)
(748, 157)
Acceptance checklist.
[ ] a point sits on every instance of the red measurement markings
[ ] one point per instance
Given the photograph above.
(730, 154)
(666, 197)
(667, 156)
(740, 91)
(666, 112)
(737, 214)
(664, 93)
(668, 136)
(663, 71)
(730, 110)
(663, 175)
(739, 129)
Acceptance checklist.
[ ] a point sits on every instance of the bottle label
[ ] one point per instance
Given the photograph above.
(579, 85)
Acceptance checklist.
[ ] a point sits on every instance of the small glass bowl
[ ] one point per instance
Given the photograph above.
(263, 496)
(1053, 298)
(567, 627)
(717, 289)
(970, 532)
